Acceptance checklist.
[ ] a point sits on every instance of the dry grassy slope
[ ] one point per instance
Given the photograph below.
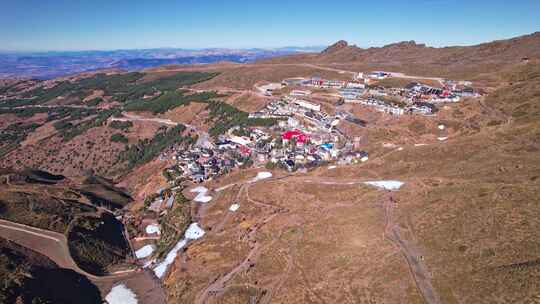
(413, 58)
(473, 204)
(245, 76)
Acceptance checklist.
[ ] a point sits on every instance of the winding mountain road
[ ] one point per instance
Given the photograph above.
(51, 244)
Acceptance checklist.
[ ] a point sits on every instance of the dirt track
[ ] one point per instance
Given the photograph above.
(418, 269)
(219, 286)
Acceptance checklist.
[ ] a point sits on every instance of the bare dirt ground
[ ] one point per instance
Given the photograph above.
(248, 101)
(146, 179)
(185, 114)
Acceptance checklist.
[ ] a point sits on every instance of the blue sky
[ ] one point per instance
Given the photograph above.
(125, 24)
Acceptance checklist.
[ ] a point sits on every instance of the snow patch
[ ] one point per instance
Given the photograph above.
(262, 175)
(201, 194)
(386, 184)
(331, 167)
(161, 268)
(400, 149)
(442, 138)
(194, 232)
(364, 159)
(151, 229)
(441, 127)
(120, 294)
(420, 145)
(234, 207)
(144, 251)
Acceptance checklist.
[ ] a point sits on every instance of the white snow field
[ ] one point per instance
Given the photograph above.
(262, 175)
(120, 294)
(144, 252)
(201, 194)
(194, 232)
(161, 268)
(385, 184)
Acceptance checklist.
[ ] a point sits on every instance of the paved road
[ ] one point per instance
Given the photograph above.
(51, 244)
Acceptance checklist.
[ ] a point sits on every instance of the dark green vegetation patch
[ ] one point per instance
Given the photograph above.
(14, 134)
(117, 137)
(225, 116)
(121, 125)
(42, 211)
(122, 87)
(170, 100)
(98, 243)
(173, 224)
(147, 149)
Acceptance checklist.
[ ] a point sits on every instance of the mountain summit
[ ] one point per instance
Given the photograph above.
(335, 47)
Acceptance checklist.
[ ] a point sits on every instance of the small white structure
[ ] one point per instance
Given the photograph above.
(307, 105)
(355, 85)
(234, 207)
(241, 140)
(378, 75)
(300, 93)
(292, 122)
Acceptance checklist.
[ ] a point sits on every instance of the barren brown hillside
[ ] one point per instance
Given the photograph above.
(411, 57)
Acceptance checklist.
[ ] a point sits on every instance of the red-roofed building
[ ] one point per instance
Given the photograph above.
(300, 137)
(245, 151)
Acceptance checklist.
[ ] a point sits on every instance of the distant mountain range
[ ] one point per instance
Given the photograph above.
(45, 65)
